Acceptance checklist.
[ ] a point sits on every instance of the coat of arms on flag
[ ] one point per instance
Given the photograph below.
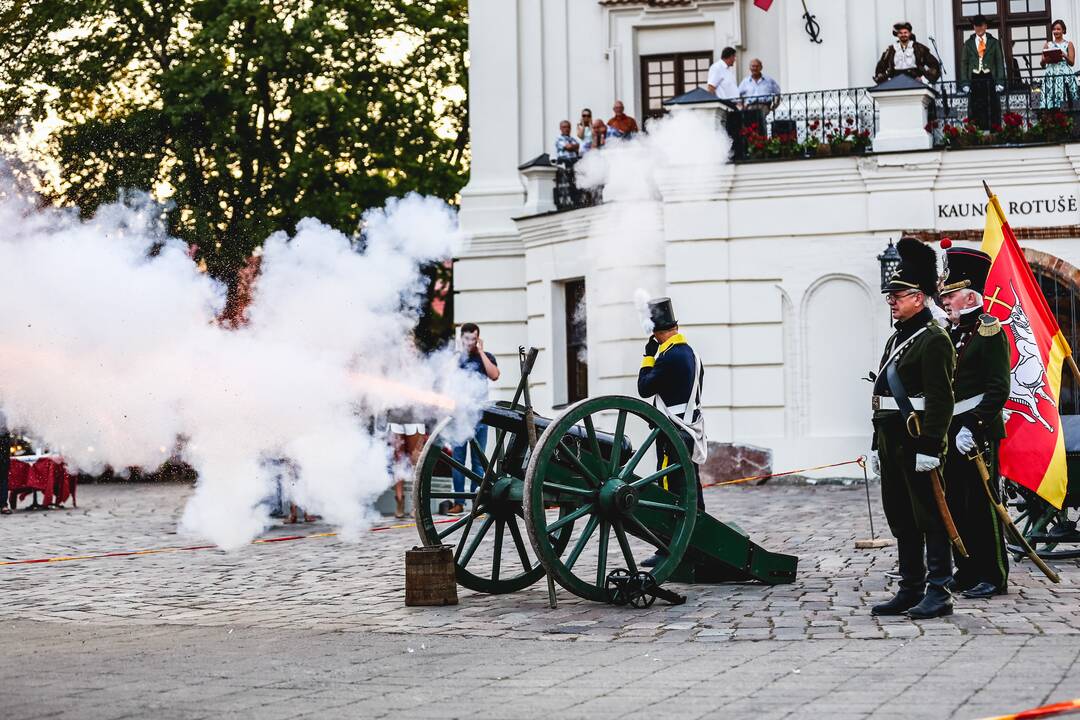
(1033, 453)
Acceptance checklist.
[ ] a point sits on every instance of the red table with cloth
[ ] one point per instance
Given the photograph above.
(45, 475)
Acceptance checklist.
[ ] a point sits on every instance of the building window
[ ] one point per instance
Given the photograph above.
(1021, 25)
(1063, 301)
(577, 358)
(666, 76)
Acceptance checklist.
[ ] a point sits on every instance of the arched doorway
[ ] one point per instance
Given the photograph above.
(1060, 285)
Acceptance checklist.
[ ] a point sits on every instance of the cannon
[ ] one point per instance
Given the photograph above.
(590, 502)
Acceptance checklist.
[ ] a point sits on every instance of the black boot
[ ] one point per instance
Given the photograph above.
(937, 603)
(901, 602)
(938, 600)
(912, 578)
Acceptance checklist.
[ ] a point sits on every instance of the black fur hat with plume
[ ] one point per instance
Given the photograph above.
(918, 268)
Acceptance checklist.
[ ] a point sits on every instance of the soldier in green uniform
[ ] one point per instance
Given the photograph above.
(981, 387)
(914, 379)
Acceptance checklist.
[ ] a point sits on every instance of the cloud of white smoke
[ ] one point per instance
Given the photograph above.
(685, 152)
(109, 352)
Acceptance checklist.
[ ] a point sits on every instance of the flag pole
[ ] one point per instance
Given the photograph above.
(1069, 360)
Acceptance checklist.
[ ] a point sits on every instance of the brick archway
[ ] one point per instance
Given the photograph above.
(1062, 271)
(1060, 284)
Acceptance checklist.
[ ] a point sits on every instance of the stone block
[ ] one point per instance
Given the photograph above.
(730, 461)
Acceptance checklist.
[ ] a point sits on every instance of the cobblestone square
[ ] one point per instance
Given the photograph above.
(318, 627)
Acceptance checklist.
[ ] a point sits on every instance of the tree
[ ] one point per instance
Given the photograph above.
(247, 115)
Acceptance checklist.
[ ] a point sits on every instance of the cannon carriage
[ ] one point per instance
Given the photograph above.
(591, 502)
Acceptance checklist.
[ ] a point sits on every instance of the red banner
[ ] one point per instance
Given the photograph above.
(1033, 453)
(763, 4)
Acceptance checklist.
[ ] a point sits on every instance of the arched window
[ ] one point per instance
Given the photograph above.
(1064, 302)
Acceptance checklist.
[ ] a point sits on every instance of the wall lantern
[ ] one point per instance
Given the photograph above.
(890, 261)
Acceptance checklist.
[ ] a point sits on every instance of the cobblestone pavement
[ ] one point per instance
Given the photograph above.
(318, 625)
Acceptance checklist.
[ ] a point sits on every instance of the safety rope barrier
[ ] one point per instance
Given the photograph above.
(189, 548)
(860, 461)
(1062, 708)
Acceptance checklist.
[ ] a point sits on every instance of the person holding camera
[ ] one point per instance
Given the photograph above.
(475, 359)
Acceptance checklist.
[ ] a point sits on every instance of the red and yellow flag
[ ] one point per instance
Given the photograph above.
(1033, 454)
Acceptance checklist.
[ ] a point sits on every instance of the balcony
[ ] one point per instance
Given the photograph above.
(899, 115)
(822, 123)
(962, 117)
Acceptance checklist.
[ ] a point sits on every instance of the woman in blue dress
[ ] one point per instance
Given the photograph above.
(1059, 82)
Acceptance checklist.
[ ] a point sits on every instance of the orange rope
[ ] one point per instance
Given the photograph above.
(860, 461)
(1062, 708)
(160, 551)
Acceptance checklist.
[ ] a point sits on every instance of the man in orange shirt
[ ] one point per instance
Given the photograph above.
(621, 125)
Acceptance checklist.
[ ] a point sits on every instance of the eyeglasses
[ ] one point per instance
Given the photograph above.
(893, 298)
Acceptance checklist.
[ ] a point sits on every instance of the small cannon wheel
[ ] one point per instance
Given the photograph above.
(611, 490)
(490, 553)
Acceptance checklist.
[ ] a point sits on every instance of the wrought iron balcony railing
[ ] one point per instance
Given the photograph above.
(1037, 110)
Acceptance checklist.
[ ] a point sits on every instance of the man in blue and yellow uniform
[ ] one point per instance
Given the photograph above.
(672, 374)
(981, 386)
(913, 407)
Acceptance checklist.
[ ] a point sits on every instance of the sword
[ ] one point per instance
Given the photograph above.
(939, 493)
(1010, 527)
(892, 377)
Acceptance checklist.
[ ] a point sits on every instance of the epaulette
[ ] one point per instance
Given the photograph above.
(989, 325)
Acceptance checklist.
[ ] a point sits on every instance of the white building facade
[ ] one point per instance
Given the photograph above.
(772, 266)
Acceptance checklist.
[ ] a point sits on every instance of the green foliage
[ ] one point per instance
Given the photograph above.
(256, 113)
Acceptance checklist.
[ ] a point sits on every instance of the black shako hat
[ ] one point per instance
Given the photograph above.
(918, 268)
(662, 314)
(968, 269)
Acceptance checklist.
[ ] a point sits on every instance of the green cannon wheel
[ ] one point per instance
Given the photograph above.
(611, 490)
(490, 551)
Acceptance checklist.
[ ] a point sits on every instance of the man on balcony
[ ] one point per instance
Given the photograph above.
(621, 125)
(759, 94)
(982, 73)
(759, 91)
(907, 57)
(722, 76)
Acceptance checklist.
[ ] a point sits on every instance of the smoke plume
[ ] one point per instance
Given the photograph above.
(110, 354)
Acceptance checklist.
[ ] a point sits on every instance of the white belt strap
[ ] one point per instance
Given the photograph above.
(885, 402)
(683, 414)
(901, 346)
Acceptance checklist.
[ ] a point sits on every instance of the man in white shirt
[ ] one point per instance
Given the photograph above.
(758, 91)
(722, 76)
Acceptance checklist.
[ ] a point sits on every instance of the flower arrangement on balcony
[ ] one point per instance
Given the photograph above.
(781, 145)
(1052, 126)
(844, 138)
(1011, 130)
(965, 134)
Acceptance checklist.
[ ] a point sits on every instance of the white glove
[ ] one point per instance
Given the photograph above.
(999, 88)
(965, 441)
(926, 463)
(875, 463)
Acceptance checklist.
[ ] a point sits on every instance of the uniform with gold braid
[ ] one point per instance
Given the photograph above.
(982, 375)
